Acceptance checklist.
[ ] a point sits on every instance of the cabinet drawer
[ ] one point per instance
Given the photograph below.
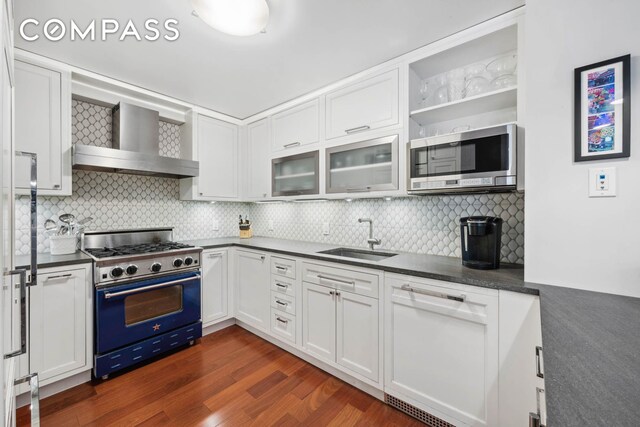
(283, 267)
(283, 302)
(283, 325)
(282, 285)
(339, 278)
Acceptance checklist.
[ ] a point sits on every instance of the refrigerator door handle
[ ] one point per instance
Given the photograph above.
(34, 387)
(33, 184)
(23, 312)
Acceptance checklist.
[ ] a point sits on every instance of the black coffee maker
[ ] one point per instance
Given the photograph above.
(481, 241)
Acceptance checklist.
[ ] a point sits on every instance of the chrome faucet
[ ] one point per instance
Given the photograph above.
(371, 240)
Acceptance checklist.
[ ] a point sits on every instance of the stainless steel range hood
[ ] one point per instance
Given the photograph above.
(135, 148)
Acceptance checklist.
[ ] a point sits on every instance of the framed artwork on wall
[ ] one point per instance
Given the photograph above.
(603, 110)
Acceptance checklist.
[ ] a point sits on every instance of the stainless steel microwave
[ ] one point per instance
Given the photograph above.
(480, 160)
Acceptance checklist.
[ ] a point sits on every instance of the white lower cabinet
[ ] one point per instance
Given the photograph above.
(214, 286)
(341, 327)
(319, 321)
(61, 329)
(441, 354)
(252, 290)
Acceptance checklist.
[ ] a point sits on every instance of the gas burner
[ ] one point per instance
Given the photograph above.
(136, 249)
(126, 255)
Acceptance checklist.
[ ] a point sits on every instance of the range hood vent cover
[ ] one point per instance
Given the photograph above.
(135, 149)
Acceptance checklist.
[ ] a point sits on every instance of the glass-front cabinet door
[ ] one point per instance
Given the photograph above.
(365, 166)
(296, 175)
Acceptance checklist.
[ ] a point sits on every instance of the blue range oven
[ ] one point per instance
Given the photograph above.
(138, 320)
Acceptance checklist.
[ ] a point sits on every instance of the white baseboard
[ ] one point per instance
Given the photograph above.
(218, 326)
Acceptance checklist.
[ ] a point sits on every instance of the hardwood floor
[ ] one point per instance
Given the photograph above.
(231, 378)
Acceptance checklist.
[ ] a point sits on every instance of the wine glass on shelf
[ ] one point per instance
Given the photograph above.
(425, 88)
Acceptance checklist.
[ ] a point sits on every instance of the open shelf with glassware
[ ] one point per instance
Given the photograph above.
(468, 86)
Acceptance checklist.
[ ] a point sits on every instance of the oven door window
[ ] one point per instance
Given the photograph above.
(151, 304)
(489, 154)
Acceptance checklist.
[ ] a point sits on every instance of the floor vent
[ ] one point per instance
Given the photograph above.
(416, 413)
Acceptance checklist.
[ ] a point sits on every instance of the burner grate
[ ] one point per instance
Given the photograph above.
(137, 249)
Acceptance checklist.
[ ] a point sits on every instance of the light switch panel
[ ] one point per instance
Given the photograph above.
(602, 182)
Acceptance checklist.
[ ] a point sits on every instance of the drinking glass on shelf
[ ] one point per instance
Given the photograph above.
(455, 85)
(422, 132)
(502, 65)
(425, 87)
(475, 85)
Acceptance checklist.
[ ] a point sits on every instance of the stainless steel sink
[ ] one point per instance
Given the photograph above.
(359, 254)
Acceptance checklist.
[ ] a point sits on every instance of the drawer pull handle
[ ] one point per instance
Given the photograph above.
(346, 282)
(281, 303)
(156, 342)
(281, 320)
(280, 285)
(292, 144)
(539, 373)
(60, 276)
(156, 350)
(215, 255)
(280, 268)
(137, 358)
(358, 129)
(115, 366)
(459, 298)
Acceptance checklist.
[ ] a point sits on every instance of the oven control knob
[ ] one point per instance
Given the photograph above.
(132, 269)
(177, 262)
(188, 261)
(116, 272)
(156, 267)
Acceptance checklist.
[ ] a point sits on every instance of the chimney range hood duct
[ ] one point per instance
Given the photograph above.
(135, 148)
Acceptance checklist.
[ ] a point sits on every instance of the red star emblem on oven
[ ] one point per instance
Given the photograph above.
(156, 327)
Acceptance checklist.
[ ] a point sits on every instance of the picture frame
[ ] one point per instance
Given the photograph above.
(603, 110)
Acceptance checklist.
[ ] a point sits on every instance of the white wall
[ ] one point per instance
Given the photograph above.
(572, 240)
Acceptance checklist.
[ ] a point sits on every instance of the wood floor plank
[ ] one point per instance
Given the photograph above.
(230, 378)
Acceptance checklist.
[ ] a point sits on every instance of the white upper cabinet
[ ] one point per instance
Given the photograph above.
(366, 105)
(296, 126)
(258, 164)
(215, 144)
(43, 126)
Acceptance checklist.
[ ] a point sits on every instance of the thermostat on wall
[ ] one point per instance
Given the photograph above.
(602, 182)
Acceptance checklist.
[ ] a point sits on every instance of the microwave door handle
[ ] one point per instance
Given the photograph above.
(33, 193)
(110, 295)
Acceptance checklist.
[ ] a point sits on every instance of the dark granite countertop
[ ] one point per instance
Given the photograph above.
(47, 260)
(508, 277)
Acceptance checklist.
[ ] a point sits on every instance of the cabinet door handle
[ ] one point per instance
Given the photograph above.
(282, 303)
(459, 298)
(280, 285)
(262, 257)
(56, 186)
(281, 320)
(292, 144)
(539, 372)
(346, 282)
(358, 129)
(59, 276)
(280, 268)
(358, 190)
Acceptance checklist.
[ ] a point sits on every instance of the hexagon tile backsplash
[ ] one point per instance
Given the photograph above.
(116, 201)
(428, 225)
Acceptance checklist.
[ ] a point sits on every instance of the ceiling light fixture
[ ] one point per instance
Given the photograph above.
(235, 17)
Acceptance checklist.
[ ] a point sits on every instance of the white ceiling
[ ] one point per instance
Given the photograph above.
(308, 44)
